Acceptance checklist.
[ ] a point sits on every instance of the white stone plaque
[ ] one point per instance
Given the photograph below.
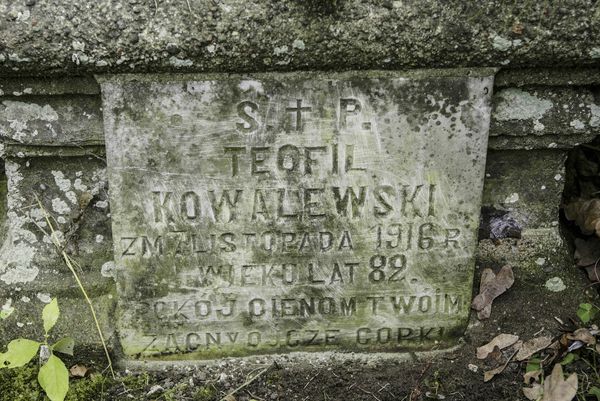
(294, 212)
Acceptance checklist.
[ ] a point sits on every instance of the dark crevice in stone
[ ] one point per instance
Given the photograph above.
(497, 224)
(582, 181)
(3, 201)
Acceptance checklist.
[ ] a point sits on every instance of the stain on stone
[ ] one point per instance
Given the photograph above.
(496, 224)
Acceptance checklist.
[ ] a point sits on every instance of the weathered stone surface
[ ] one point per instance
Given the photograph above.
(540, 249)
(544, 117)
(520, 222)
(65, 192)
(51, 120)
(39, 86)
(73, 192)
(309, 212)
(50, 130)
(554, 76)
(239, 35)
(527, 185)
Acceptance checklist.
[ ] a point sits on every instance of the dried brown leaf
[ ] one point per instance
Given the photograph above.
(501, 341)
(491, 290)
(487, 376)
(582, 335)
(556, 388)
(564, 341)
(587, 251)
(586, 214)
(593, 272)
(78, 370)
(554, 346)
(487, 276)
(85, 199)
(534, 392)
(532, 346)
(517, 28)
(495, 357)
(518, 345)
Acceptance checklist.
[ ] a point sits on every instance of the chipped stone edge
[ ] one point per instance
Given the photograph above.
(28, 86)
(414, 74)
(326, 358)
(510, 77)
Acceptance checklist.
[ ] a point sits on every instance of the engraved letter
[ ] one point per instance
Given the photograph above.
(425, 242)
(234, 150)
(350, 160)
(190, 205)
(310, 204)
(348, 306)
(256, 307)
(260, 207)
(452, 235)
(406, 199)
(341, 202)
(348, 106)
(162, 206)
(250, 124)
(384, 208)
(288, 158)
(298, 110)
(309, 161)
(225, 198)
(258, 157)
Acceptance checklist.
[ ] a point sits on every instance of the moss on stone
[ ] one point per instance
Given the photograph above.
(87, 388)
(20, 384)
(205, 393)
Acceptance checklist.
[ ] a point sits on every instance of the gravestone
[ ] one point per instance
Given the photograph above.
(294, 212)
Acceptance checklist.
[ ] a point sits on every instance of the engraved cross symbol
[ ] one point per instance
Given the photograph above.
(298, 110)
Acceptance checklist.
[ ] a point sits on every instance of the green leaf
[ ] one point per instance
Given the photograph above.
(64, 346)
(533, 365)
(569, 359)
(50, 315)
(54, 379)
(19, 353)
(594, 391)
(586, 312)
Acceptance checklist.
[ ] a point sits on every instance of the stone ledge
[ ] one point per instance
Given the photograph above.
(61, 37)
(547, 77)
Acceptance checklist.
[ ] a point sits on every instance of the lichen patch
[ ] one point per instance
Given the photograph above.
(517, 104)
(19, 114)
(60, 206)
(64, 184)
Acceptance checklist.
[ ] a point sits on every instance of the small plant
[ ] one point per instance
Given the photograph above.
(53, 375)
(586, 312)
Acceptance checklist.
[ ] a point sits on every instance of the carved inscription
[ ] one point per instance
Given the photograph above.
(294, 214)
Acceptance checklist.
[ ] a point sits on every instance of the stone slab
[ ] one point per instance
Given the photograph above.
(544, 111)
(72, 191)
(527, 185)
(294, 212)
(44, 86)
(51, 121)
(70, 37)
(544, 117)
